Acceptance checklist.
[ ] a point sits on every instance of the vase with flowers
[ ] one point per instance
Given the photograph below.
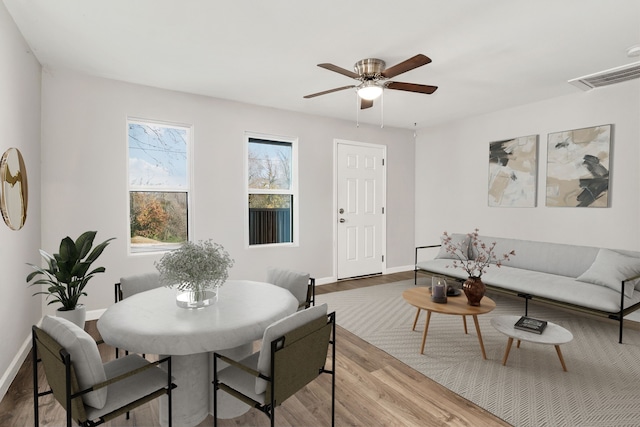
(196, 270)
(482, 257)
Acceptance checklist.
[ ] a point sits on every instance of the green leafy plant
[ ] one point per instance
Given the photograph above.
(67, 272)
(195, 266)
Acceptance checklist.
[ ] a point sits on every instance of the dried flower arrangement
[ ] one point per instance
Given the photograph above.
(484, 254)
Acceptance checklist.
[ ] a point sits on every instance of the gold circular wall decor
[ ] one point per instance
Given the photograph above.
(14, 198)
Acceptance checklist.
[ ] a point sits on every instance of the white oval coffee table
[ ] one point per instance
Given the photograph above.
(552, 335)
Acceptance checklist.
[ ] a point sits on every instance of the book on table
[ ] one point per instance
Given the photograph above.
(530, 324)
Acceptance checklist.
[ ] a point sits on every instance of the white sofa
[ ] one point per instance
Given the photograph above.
(596, 280)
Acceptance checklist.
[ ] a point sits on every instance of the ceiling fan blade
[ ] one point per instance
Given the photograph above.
(412, 87)
(411, 63)
(366, 103)
(339, 70)
(329, 91)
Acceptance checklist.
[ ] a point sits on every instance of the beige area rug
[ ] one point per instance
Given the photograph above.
(601, 387)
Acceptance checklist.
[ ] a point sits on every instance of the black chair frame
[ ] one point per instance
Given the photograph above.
(274, 396)
(311, 293)
(73, 396)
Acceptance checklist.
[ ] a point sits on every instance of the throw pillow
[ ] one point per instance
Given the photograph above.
(461, 241)
(84, 356)
(278, 329)
(610, 268)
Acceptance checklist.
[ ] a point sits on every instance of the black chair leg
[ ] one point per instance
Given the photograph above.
(215, 391)
(169, 393)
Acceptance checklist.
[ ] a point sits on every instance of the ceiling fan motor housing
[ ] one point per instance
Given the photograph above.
(370, 68)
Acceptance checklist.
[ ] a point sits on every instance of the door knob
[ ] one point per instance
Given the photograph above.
(343, 220)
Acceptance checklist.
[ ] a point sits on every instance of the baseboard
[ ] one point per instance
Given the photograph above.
(333, 279)
(15, 365)
(325, 280)
(400, 269)
(95, 314)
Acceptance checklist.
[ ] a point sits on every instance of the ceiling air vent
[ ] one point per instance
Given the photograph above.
(608, 77)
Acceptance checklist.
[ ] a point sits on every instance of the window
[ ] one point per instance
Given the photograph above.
(271, 185)
(158, 186)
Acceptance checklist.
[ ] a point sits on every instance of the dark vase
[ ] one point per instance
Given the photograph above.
(474, 289)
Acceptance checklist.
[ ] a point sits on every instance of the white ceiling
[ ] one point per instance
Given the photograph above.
(487, 54)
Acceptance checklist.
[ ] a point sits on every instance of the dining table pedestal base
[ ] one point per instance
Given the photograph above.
(193, 397)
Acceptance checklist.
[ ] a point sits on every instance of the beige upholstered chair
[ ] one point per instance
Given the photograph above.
(298, 283)
(132, 285)
(92, 392)
(294, 353)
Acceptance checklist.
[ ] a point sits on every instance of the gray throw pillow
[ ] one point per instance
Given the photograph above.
(461, 241)
(610, 268)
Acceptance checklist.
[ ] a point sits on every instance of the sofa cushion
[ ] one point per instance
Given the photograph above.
(85, 356)
(554, 258)
(610, 268)
(460, 241)
(558, 288)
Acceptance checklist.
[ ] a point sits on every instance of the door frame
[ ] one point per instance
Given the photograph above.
(336, 142)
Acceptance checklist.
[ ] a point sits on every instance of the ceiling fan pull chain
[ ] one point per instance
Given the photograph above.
(382, 110)
(357, 110)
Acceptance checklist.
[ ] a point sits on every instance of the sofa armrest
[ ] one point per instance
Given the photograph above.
(424, 247)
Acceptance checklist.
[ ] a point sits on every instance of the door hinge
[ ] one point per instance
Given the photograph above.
(383, 210)
(382, 162)
(382, 258)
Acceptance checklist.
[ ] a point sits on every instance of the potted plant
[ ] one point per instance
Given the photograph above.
(67, 273)
(196, 270)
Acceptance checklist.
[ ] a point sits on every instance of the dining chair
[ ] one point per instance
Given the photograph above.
(300, 284)
(91, 392)
(131, 285)
(294, 353)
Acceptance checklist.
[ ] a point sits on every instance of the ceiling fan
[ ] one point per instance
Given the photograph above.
(373, 77)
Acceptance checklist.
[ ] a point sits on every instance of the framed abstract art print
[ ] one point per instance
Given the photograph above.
(513, 172)
(578, 167)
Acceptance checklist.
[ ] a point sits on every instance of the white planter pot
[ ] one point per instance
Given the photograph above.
(76, 316)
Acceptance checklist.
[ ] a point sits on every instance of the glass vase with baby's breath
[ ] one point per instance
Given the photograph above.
(196, 270)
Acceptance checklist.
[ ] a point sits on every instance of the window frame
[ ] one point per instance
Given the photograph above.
(155, 189)
(293, 191)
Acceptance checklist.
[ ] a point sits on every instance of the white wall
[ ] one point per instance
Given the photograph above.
(20, 128)
(85, 183)
(452, 173)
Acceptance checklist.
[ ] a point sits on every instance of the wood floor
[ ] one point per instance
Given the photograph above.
(372, 389)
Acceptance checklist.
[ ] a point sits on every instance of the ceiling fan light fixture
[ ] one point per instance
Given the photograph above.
(369, 90)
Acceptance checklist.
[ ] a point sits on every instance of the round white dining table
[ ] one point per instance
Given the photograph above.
(150, 322)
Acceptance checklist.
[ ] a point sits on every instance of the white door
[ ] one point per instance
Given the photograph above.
(360, 209)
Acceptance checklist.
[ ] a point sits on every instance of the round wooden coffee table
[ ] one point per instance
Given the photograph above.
(420, 297)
